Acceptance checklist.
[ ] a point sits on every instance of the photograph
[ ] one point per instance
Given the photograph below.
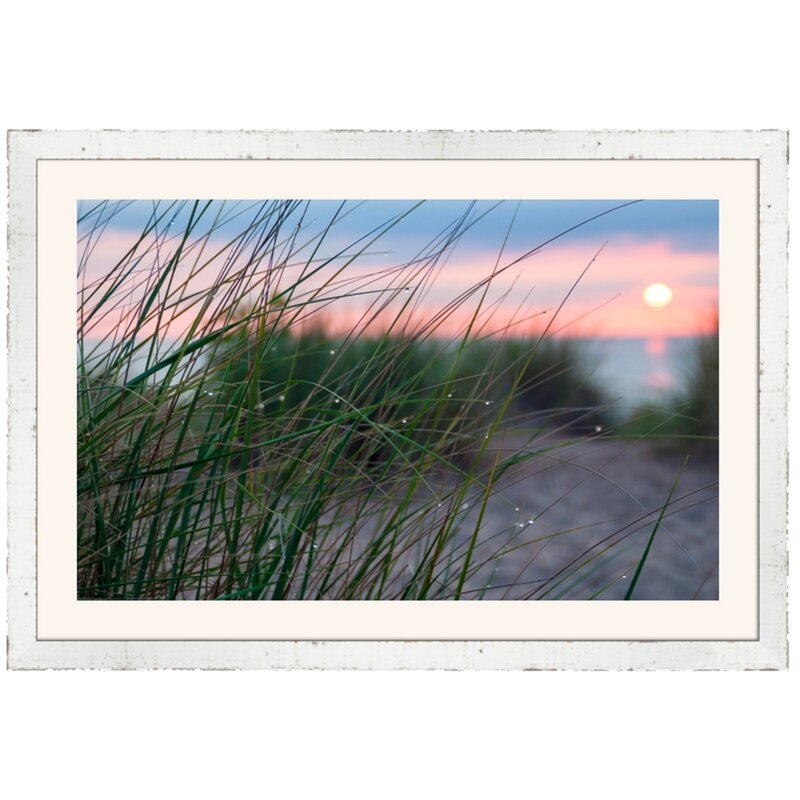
(325, 304)
(398, 399)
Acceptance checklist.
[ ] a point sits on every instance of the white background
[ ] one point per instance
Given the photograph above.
(416, 65)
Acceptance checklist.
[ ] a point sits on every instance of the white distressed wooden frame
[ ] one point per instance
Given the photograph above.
(768, 650)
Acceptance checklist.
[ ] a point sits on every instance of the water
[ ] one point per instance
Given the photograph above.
(639, 371)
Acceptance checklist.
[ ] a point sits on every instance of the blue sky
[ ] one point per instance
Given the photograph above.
(688, 224)
(671, 241)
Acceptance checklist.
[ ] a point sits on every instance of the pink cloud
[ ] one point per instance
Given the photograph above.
(607, 301)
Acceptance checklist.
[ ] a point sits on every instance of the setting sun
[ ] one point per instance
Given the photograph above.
(657, 295)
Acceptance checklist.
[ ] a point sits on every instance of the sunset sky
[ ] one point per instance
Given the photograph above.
(671, 242)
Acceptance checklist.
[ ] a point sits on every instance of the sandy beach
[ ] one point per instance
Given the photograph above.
(577, 520)
(570, 522)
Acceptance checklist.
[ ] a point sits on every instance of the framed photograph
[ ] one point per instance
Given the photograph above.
(388, 400)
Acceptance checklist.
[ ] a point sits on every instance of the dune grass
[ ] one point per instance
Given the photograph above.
(231, 445)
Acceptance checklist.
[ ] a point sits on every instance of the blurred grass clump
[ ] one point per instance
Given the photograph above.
(688, 418)
(398, 394)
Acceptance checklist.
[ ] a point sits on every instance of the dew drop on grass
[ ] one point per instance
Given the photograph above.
(598, 428)
(488, 402)
(281, 397)
(333, 352)
(516, 508)
(530, 522)
(336, 400)
(405, 421)
(521, 524)
(449, 394)
(439, 505)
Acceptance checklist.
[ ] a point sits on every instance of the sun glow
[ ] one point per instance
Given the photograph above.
(657, 295)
